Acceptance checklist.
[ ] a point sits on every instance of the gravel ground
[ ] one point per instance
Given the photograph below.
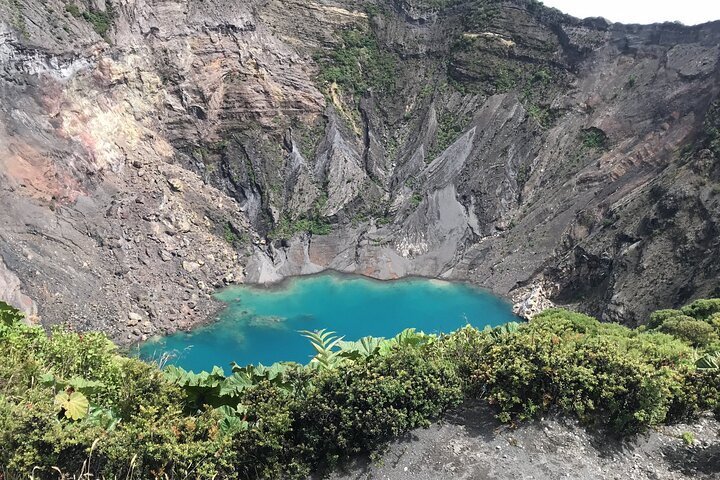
(471, 444)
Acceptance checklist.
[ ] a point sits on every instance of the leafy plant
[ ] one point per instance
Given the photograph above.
(73, 405)
(326, 344)
(287, 228)
(503, 330)
(710, 361)
(702, 309)
(9, 315)
(695, 332)
(73, 10)
(361, 349)
(604, 374)
(233, 236)
(688, 438)
(100, 20)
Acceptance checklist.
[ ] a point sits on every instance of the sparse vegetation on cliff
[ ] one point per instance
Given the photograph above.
(449, 129)
(357, 64)
(312, 222)
(101, 20)
(712, 128)
(118, 417)
(286, 228)
(594, 139)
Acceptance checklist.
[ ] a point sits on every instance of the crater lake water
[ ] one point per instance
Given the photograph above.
(262, 324)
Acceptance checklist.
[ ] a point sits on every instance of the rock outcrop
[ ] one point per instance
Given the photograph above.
(153, 151)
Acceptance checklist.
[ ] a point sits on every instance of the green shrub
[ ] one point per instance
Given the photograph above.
(602, 373)
(287, 420)
(100, 21)
(695, 332)
(133, 412)
(594, 139)
(286, 228)
(702, 309)
(312, 222)
(416, 199)
(449, 128)
(658, 317)
(372, 402)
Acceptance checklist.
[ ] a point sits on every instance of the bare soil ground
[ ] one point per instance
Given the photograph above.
(471, 444)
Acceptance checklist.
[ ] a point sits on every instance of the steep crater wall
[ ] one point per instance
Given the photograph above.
(154, 151)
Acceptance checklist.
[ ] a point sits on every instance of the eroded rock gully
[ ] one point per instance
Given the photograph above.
(541, 156)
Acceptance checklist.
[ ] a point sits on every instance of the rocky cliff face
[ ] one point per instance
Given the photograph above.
(151, 151)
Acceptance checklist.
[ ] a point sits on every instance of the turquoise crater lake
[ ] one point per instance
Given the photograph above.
(262, 324)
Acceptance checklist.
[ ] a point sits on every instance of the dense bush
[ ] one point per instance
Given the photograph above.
(697, 323)
(696, 332)
(134, 420)
(602, 373)
(120, 417)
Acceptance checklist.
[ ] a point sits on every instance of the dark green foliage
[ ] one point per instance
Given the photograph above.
(695, 332)
(604, 374)
(436, 4)
(697, 323)
(658, 317)
(100, 20)
(449, 127)
(416, 199)
(308, 136)
(373, 11)
(594, 139)
(287, 420)
(358, 64)
(712, 128)
(542, 77)
(702, 309)
(312, 222)
(374, 401)
(133, 410)
(536, 95)
(480, 14)
(233, 235)
(506, 79)
(286, 228)
(9, 315)
(523, 175)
